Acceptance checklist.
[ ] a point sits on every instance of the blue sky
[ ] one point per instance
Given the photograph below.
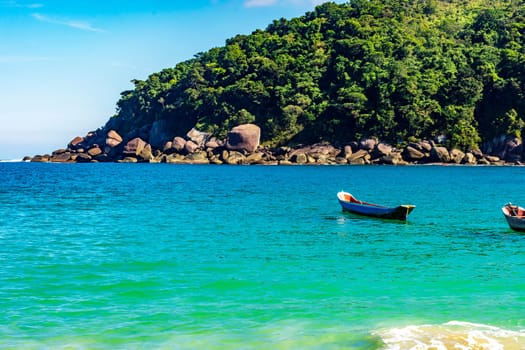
(64, 63)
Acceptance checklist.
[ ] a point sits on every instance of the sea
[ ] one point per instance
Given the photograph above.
(165, 256)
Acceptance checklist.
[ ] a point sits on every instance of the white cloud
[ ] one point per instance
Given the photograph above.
(24, 59)
(259, 3)
(67, 22)
(307, 2)
(13, 3)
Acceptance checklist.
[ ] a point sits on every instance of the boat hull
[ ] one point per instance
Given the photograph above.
(350, 204)
(515, 217)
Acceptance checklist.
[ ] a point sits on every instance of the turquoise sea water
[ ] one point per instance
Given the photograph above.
(159, 256)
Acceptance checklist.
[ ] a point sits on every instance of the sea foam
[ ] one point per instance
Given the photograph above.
(452, 335)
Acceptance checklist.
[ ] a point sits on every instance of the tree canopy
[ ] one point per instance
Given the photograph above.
(392, 69)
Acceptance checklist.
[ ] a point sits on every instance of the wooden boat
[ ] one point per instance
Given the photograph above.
(351, 204)
(515, 216)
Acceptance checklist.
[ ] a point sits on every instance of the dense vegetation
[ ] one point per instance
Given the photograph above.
(392, 69)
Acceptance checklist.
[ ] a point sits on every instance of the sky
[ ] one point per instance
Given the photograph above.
(64, 63)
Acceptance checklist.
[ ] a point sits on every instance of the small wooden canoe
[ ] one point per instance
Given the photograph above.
(515, 216)
(351, 204)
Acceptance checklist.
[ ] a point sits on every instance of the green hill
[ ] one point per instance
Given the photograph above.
(396, 70)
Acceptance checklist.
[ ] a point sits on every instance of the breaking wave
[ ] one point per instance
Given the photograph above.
(452, 335)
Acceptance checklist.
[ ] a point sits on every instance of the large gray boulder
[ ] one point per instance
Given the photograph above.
(244, 138)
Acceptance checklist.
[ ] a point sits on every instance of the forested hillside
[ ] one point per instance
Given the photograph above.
(397, 70)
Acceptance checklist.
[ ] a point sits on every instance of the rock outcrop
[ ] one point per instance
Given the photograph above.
(153, 144)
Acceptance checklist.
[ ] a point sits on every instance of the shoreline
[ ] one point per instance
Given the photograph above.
(311, 155)
(242, 147)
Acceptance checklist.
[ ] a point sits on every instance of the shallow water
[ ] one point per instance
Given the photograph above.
(160, 256)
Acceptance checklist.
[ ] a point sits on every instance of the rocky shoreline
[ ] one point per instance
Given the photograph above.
(151, 145)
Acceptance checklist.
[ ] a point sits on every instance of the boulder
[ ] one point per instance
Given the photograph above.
(425, 146)
(75, 143)
(113, 139)
(134, 147)
(319, 150)
(483, 161)
(360, 157)
(190, 147)
(41, 158)
(255, 158)
(299, 158)
(469, 158)
(457, 156)
(215, 160)
(60, 157)
(233, 157)
(477, 153)
(94, 138)
(317, 153)
(244, 138)
(382, 149)
(492, 159)
(393, 158)
(198, 137)
(421, 146)
(178, 144)
(212, 143)
(94, 151)
(412, 154)
(439, 154)
(146, 153)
